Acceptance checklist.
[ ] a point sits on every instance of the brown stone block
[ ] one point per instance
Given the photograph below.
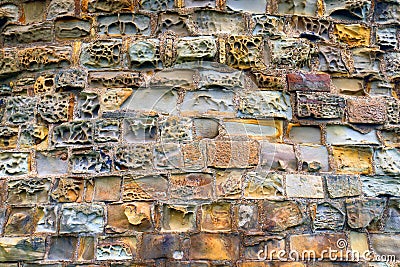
(353, 160)
(116, 248)
(191, 186)
(364, 212)
(278, 157)
(178, 218)
(318, 245)
(20, 221)
(233, 154)
(279, 216)
(353, 34)
(106, 189)
(159, 246)
(135, 216)
(68, 190)
(229, 183)
(62, 248)
(311, 82)
(214, 247)
(366, 110)
(216, 217)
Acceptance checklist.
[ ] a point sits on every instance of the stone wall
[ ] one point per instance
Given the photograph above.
(199, 133)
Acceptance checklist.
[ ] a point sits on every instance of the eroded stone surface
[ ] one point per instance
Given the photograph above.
(306, 186)
(26, 248)
(82, 218)
(319, 106)
(279, 216)
(361, 213)
(101, 54)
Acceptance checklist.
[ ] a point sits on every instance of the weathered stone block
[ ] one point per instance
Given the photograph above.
(20, 221)
(62, 248)
(244, 52)
(363, 110)
(22, 248)
(377, 186)
(160, 246)
(335, 59)
(291, 53)
(363, 212)
(346, 86)
(112, 99)
(54, 108)
(144, 188)
(310, 82)
(228, 183)
(137, 157)
(353, 34)
(247, 217)
(263, 185)
(263, 104)
(353, 160)
(46, 219)
(194, 156)
(72, 133)
(16, 34)
(195, 48)
(305, 134)
(347, 10)
(95, 161)
(386, 38)
(168, 156)
(209, 102)
(392, 222)
(8, 137)
(233, 154)
(116, 248)
(319, 244)
(314, 158)
(272, 26)
(60, 8)
(82, 218)
(279, 216)
(320, 106)
(20, 109)
(14, 163)
(178, 218)
(387, 162)
(135, 216)
(343, 185)
(171, 21)
(214, 247)
(310, 28)
(8, 64)
(28, 191)
(343, 135)
(124, 24)
(156, 5)
(68, 190)
(206, 22)
(101, 54)
(216, 217)
(325, 216)
(52, 162)
(36, 58)
(191, 186)
(293, 7)
(175, 129)
(140, 130)
(144, 54)
(386, 245)
(108, 6)
(306, 186)
(112, 79)
(107, 131)
(278, 157)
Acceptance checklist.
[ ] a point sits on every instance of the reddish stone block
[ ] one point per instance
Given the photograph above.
(317, 82)
(366, 110)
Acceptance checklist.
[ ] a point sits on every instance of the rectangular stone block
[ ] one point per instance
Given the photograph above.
(304, 134)
(27, 191)
(144, 188)
(160, 246)
(306, 186)
(281, 215)
(233, 154)
(343, 135)
(290, 53)
(353, 34)
(195, 48)
(320, 106)
(386, 162)
(255, 129)
(310, 82)
(214, 247)
(178, 218)
(41, 57)
(14, 163)
(82, 218)
(265, 104)
(314, 158)
(343, 185)
(116, 248)
(130, 217)
(22, 248)
(209, 102)
(228, 183)
(191, 186)
(113, 79)
(101, 54)
(72, 28)
(263, 185)
(279, 157)
(62, 248)
(207, 22)
(386, 245)
(144, 54)
(94, 161)
(353, 160)
(364, 212)
(317, 243)
(68, 190)
(377, 186)
(366, 110)
(335, 9)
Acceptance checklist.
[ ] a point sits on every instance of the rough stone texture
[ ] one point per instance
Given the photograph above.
(196, 133)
